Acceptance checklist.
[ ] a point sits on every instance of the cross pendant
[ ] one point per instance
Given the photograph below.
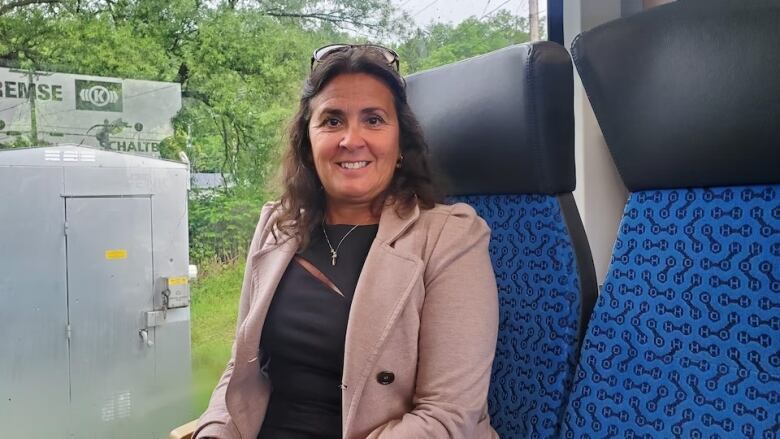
(333, 257)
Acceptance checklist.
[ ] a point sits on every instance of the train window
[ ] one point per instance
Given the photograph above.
(138, 141)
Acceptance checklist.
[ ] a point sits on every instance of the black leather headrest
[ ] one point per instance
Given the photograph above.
(688, 94)
(500, 123)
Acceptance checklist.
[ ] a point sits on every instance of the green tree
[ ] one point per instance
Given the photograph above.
(240, 64)
(443, 43)
(239, 61)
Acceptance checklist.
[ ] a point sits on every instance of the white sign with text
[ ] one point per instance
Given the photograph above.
(118, 114)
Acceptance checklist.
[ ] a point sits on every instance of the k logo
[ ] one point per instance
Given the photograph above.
(98, 95)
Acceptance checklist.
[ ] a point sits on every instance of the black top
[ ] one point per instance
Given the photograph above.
(303, 337)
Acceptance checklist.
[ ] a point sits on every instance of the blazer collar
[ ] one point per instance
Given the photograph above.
(392, 224)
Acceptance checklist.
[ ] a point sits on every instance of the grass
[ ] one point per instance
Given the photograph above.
(214, 308)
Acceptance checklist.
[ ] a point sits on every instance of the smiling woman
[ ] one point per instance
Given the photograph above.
(354, 140)
(353, 109)
(368, 310)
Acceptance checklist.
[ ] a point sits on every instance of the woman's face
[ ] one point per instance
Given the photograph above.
(354, 139)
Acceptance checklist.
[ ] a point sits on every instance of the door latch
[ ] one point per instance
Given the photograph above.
(145, 337)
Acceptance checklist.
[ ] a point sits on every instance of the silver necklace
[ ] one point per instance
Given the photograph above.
(334, 253)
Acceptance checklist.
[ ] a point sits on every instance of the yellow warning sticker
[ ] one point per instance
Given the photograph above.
(173, 281)
(112, 255)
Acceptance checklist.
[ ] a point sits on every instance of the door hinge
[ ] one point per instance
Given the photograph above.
(65, 228)
(68, 331)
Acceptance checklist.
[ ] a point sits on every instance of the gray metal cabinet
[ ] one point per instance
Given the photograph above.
(94, 299)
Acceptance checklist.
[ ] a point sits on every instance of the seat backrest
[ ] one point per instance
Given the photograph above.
(500, 129)
(685, 337)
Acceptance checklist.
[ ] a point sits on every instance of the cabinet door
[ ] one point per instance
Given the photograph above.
(33, 304)
(110, 286)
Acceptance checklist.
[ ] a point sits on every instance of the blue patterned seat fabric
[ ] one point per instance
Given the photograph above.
(539, 297)
(685, 337)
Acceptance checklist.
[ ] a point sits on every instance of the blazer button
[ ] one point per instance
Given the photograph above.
(384, 378)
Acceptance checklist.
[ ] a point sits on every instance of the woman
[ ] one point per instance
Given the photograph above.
(367, 309)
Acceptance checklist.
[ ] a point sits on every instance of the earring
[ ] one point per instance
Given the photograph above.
(399, 162)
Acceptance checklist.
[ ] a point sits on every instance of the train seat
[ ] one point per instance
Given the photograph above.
(684, 340)
(500, 128)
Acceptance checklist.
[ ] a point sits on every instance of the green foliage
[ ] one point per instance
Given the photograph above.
(222, 223)
(245, 69)
(21, 35)
(240, 65)
(98, 45)
(214, 312)
(12, 142)
(441, 43)
(240, 62)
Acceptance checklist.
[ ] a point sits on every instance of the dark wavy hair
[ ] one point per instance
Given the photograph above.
(302, 203)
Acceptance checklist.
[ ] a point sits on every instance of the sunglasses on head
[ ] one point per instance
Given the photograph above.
(323, 52)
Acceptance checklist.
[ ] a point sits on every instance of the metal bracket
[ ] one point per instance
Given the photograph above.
(154, 318)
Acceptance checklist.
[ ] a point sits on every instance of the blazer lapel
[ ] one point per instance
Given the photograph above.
(381, 293)
(267, 265)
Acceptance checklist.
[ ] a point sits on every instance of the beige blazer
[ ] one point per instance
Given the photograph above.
(425, 309)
